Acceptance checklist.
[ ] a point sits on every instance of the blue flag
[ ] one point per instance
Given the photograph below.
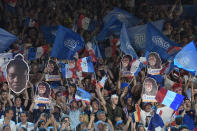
(125, 44)
(66, 44)
(49, 33)
(113, 23)
(112, 27)
(157, 42)
(123, 16)
(6, 39)
(83, 95)
(137, 34)
(186, 58)
(96, 48)
(155, 122)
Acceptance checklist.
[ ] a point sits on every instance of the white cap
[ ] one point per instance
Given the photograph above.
(114, 96)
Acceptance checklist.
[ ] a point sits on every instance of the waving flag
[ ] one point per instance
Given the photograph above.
(185, 59)
(167, 68)
(102, 82)
(36, 53)
(4, 59)
(165, 113)
(6, 39)
(122, 15)
(85, 65)
(157, 42)
(86, 23)
(169, 98)
(66, 44)
(49, 33)
(93, 50)
(136, 115)
(67, 71)
(83, 95)
(125, 44)
(156, 123)
(112, 27)
(30, 22)
(137, 34)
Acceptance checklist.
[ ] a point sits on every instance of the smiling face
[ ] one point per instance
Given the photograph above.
(148, 86)
(125, 61)
(151, 60)
(41, 89)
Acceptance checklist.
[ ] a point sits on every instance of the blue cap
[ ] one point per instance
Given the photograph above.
(119, 122)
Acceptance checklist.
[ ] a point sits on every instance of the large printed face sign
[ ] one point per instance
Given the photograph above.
(53, 71)
(149, 90)
(17, 74)
(43, 90)
(125, 64)
(154, 61)
(52, 67)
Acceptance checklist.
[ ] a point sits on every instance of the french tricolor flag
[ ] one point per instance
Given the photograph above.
(85, 64)
(30, 22)
(36, 53)
(83, 95)
(169, 98)
(68, 72)
(102, 82)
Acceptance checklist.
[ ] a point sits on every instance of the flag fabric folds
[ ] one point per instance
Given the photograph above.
(6, 39)
(137, 34)
(66, 44)
(136, 115)
(36, 53)
(102, 82)
(85, 65)
(156, 123)
(169, 98)
(49, 33)
(83, 95)
(125, 44)
(186, 58)
(122, 15)
(157, 42)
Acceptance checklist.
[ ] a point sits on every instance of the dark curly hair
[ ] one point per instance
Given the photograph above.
(158, 61)
(154, 84)
(47, 92)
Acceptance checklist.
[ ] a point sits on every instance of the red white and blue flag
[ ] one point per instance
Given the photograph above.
(85, 65)
(83, 95)
(36, 53)
(102, 82)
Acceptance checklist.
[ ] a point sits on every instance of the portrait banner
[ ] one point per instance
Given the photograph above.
(43, 92)
(52, 71)
(154, 63)
(149, 90)
(126, 66)
(17, 71)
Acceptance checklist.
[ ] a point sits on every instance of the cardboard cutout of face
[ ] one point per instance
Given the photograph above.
(154, 63)
(53, 71)
(43, 92)
(17, 74)
(149, 90)
(126, 65)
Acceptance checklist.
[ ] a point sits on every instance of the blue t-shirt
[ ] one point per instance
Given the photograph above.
(188, 119)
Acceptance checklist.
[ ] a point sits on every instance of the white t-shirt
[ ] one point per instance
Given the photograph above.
(143, 116)
(12, 125)
(29, 126)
